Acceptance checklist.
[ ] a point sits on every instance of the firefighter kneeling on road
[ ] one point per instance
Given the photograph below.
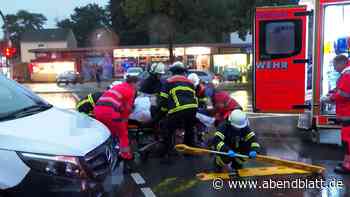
(179, 102)
(234, 136)
(113, 109)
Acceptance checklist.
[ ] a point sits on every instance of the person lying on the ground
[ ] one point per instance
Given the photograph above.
(234, 136)
(142, 110)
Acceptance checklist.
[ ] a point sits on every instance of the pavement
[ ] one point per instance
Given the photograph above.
(277, 134)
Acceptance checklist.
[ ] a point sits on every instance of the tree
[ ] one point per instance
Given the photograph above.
(23, 21)
(242, 16)
(185, 21)
(85, 21)
(128, 31)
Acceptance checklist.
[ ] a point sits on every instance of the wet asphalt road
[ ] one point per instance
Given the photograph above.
(278, 137)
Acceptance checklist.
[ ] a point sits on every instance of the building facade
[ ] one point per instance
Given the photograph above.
(116, 60)
(45, 39)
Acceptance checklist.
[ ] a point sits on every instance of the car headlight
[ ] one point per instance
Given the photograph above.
(54, 165)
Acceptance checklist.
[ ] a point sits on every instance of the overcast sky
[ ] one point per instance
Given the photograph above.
(52, 9)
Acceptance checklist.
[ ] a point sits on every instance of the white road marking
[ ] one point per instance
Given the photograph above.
(138, 178)
(148, 192)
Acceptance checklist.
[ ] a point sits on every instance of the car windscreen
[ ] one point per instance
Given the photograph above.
(200, 73)
(135, 70)
(14, 97)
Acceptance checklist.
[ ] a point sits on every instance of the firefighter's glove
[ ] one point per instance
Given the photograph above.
(252, 154)
(231, 154)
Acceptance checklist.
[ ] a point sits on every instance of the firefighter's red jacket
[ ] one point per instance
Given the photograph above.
(119, 99)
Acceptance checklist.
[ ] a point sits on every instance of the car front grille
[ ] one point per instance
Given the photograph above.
(102, 160)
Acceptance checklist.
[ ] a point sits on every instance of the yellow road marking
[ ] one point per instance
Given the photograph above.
(249, 172)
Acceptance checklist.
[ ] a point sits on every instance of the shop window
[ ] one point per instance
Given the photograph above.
(280, 39)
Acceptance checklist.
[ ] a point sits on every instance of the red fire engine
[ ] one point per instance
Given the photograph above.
(293, 51)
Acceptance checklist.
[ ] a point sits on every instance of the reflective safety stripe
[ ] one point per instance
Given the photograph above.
(220, 145)
(219, 161)
(249, 136)
(343, 94)
(174, 96)
(164, 95)
(109, 99)
(82, 103)
(203, 99)
(108, 104)
(116, 93)
(120, 120)
(183, 107)
(164, 109)
(180, 88)
(255, 145)
(91, 100)
(220, 135)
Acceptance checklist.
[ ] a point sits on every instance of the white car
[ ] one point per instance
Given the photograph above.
(45, 150)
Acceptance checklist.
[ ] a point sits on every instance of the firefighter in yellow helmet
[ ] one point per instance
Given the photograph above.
(234, 136)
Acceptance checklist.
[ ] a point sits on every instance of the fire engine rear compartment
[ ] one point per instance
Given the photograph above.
(318, 75)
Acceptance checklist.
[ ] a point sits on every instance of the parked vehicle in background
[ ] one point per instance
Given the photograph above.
(46, 151)
(144, 75)
(232, 74)
(69, 77)
(205, 76)
(133, 71)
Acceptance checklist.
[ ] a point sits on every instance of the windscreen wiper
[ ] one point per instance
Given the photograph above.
(26, 111)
